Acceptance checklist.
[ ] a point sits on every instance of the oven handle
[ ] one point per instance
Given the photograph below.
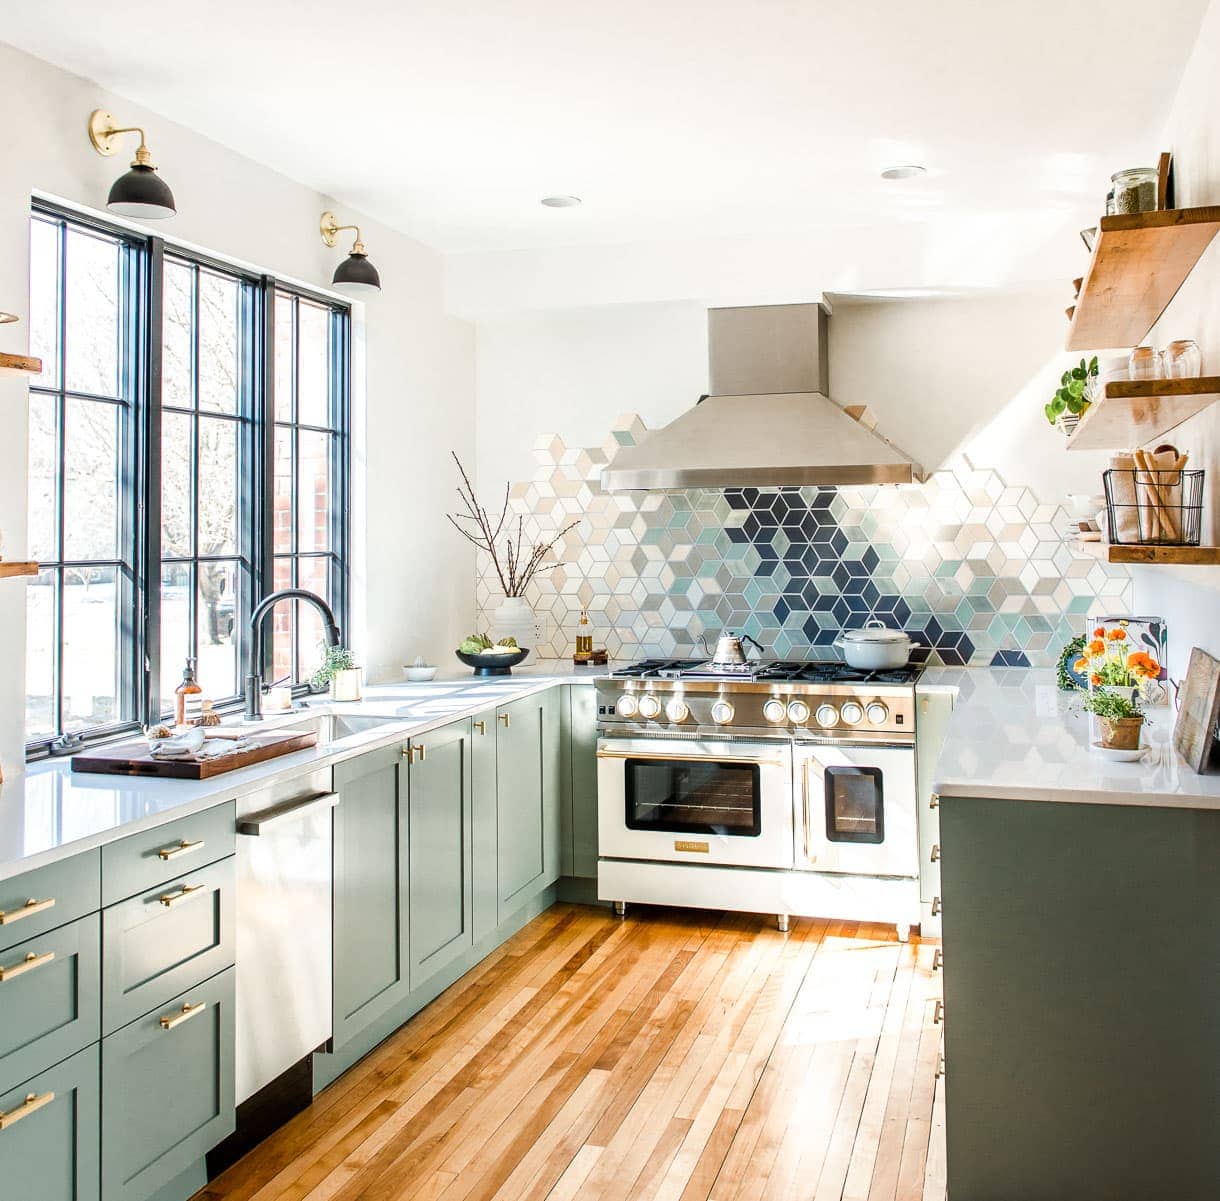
(806, 789)
(690, 758)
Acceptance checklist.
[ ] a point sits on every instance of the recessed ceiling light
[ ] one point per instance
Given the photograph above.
(561, 202)
(904, 171)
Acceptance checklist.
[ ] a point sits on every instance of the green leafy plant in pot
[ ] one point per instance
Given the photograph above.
(1120, 717)
(337, 670)
(1073, 396)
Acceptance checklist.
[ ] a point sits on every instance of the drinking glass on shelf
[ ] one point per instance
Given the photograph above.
(1183, 359)
(1145, 363)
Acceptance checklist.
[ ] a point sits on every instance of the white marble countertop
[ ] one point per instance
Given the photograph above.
(1015, 736)
(52, 812)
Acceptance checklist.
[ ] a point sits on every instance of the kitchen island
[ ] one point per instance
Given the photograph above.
(1081, 904)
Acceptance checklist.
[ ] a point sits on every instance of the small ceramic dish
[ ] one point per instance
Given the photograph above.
(1118, 756)
(419, 675)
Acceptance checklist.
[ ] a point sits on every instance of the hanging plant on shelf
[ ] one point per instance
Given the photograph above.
(515, 563)
(1073, 396)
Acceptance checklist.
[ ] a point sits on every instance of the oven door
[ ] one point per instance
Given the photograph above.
(857, 810)
(695, 801)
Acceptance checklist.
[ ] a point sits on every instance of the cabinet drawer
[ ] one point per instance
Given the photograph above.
(50, 998)
(152, 857)
(166, 940)
(49, 1144)
(71, 886)
(167, 1089)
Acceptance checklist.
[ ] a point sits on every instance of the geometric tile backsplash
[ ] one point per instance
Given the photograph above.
(974, 570)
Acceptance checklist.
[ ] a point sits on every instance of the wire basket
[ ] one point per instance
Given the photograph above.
(1154, 507)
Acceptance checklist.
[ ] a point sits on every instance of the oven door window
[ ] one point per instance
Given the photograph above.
(855, 804)
(693, 796)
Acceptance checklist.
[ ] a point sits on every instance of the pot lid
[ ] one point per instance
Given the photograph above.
(875, 632)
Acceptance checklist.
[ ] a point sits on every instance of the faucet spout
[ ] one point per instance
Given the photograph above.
(254, 658)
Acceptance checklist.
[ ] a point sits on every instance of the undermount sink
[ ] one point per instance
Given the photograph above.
(334, 727)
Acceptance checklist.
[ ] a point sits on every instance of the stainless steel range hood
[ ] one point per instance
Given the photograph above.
(768, 420)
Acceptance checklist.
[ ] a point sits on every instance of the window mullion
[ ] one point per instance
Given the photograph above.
(150, 528)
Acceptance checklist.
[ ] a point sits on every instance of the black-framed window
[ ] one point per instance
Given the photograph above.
(153, 478)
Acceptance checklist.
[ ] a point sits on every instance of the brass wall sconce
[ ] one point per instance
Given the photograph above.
(141, 192)
(355, 274)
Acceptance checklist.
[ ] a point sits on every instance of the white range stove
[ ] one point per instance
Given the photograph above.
(775, 787)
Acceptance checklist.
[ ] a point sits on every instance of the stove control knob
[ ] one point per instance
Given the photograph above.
(827, 716)
(774, 710)
(650, 707)
(722, 712)
(627, 705)
(851, 713)
(677, 710)
(798, 712)
(877, 713)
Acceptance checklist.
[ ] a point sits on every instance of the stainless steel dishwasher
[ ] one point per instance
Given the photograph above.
(284, 885)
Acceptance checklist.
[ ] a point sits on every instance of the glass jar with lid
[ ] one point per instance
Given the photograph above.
(1183, 359)
(1135, 190)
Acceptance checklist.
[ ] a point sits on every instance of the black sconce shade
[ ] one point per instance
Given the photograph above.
(141, 193)
(357, 274)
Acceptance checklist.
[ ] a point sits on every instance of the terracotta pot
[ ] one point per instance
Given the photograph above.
(1121, 733)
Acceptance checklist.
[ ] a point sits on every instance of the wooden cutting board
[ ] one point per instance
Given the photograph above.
(134, 759)
(1198, 710)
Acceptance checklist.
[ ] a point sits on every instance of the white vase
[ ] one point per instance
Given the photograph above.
(514, 618)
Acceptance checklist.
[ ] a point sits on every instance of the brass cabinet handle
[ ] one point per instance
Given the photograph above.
(30, 908)
(179, 848)
(172, 898)
(940, 1067)
(937, 907)
(408, 753)
(934, 801)
(481, 726)
(938, 959)
(32, 1104)
(413, 751)
(504, 717)
(935, 852)
(421, 751)
(185, 1014)
(938, 1014)
(28, 964)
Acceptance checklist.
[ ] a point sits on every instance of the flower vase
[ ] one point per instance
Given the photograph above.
(514, 618)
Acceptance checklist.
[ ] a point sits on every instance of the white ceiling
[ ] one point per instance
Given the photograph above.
(673, 119)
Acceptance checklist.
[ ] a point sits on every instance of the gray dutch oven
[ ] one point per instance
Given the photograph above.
(875, 647)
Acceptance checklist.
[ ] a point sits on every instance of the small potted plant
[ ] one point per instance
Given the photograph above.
(1073, 396)
(339, 670)
(1117, 674)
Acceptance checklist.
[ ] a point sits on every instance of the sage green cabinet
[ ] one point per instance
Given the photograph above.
(47, 897)
(164, 940)
(440, 891)
(579, 778)
(49, 1133)
(1081, 990)
(485, 855)
(371, 931)
(167, 1090)
(50, 998)
(527, 798)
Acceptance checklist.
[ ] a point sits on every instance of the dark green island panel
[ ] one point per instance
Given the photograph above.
(1082, 1001)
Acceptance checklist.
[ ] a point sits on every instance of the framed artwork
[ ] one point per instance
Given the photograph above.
(1147, 634)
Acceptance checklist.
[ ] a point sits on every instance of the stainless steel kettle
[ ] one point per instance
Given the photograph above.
(729, 648)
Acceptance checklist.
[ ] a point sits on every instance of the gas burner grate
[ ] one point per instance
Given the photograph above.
(825, 671)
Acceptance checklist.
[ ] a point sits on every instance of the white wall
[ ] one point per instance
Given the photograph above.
(1189, 597)
(419, 366)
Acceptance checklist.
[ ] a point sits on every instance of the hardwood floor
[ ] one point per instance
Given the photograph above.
(677, 1056)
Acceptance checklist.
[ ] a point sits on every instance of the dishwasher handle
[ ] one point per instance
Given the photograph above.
(270, 820)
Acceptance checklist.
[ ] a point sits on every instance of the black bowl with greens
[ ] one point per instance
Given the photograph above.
(494, 662)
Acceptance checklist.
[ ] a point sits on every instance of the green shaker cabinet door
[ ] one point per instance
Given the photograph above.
(370, 911)
(167, 1090)
(50, 1140)
(49, 999)
(528, 792)
(441, 882)
(483, 809)
(581, 779)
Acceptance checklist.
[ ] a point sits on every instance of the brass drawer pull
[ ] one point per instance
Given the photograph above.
(179, 848)
(935, 852)
(28, 964)
(934, 801)
(185, 1014)
(32, 1104)
(937, 907)
(481, 726)
(506, 719)
(938, 1014)
(938, 959)
(172, 898)
(30, 908)
(413, 752)
(940, 1067)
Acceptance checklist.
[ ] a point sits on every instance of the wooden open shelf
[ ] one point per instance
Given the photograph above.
(1182, 555)
(20, 362)
(1139, 262)
(1138, 411)
(14, 569)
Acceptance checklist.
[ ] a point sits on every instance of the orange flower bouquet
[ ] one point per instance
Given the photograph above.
(1117, 675)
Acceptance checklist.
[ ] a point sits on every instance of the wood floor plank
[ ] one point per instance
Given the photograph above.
(676, 1055)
